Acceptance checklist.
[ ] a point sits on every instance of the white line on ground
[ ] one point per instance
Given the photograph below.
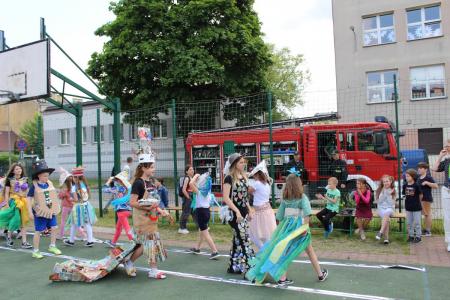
(228, 281)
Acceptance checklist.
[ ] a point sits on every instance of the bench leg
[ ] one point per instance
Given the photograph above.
(350, 230)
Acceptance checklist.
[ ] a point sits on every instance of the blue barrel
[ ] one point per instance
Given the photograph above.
(411, 158)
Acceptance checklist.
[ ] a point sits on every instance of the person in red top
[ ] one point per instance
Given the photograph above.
(363, 213)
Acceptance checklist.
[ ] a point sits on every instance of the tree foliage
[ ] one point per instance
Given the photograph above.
(186, 50)
(30, 133)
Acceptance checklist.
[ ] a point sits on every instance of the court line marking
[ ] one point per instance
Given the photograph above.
(325, 263)
(228, 281)
(426, 286)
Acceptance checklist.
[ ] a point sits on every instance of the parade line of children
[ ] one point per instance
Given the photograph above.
(260, 248)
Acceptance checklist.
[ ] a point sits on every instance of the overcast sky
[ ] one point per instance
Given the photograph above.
(304, 26)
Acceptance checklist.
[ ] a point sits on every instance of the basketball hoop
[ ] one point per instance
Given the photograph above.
(9, 94)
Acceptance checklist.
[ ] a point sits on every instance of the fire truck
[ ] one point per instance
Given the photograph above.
(368, 148)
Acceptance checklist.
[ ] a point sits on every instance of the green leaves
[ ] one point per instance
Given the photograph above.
(29, 132)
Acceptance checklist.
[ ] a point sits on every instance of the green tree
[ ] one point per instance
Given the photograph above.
(30, 133)
(286, 79)
(186, 50)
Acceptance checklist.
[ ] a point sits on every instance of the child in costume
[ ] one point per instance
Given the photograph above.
(263, 223)
(83, 214)
(120, 188)
(2, 186)
(332, 196)
(15, 214)
(201, 186)
(145, 203)
(291, 237)
(45, 206)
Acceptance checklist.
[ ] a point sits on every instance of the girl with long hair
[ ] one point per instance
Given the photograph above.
(385, 199)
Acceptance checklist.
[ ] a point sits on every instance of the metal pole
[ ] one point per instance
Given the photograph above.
(79, 133)
(39, 137)
(272, 167)
(116, 129)
(175, 159)
(397, 140)
(99, 165)
(2, 40)
(43, 33)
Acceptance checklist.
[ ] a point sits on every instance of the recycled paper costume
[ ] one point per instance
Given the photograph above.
(89, 271)
(263, 223)
(290, 239)
(16, 216)
(120, 190)
(82, 214)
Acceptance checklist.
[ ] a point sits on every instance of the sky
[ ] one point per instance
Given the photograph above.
(303, 26)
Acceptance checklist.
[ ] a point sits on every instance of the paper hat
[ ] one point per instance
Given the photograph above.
(146, 158)
(261, 167)
(40, 167)
(78, 171)
(123, 177)
(63, 176)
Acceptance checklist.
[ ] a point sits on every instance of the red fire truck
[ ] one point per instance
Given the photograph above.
(368, 148)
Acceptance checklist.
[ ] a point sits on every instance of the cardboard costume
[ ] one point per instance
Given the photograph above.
(45, 202)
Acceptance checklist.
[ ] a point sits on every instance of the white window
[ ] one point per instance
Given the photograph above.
(427, 82)
(64, 136)
(380, 86)
(94, 134)
(111, 132)
(159, 130)
(424, 22)
(83, 135)
(378, 30)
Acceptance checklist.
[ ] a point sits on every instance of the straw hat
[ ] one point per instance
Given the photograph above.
(78, 171)
(123, 177)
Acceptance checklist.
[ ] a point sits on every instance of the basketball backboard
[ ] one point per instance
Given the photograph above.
(25, 72)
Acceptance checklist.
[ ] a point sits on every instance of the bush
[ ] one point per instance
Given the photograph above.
(4, 161)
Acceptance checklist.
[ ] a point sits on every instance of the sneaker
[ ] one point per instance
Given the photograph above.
(410, 239)
(363, 236)
(183, 231)
(110, 244)
(285, 282)
(417, 239)
(89, 244)
(386, 242)
(26, 245)
(9, 242)
(324, 275)
(54, 250)
(357, 231)
(214, 255)
(68, 243)
(130, 269)
(37, 254)
(194, 251)
(331, 227)
(156, 274)
(426, 233)
(379, 236)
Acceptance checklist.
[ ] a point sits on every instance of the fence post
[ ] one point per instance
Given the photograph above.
(99, 165)
(175, 159)
(79, 133)
(272, 169)
(397, 140)
(117, 134)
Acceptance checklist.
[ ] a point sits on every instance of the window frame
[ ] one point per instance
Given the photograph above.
(83, 135)
(111, 133)
(67, 136)
(159, 127)
(428, 82)
(382, 86)
(423, 23)
(102, 134)
(378, 29)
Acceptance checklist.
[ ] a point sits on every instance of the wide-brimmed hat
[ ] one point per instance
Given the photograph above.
(63, 176)
(39, 167)
(78, 171)
(261, 167)
(123, 177)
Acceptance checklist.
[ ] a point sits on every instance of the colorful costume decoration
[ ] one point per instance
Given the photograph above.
(16, 216)
(45, 202)
(89, 271)
(82, 212)
(290, 239)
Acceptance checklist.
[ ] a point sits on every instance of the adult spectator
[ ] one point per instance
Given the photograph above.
(299, 167)
(186, 197)
(443, 165)
(338, 169)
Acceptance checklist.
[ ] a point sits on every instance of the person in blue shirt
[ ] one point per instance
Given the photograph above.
(163, 193)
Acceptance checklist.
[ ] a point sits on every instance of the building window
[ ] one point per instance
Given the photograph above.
(431, 139)
(424, 22)
(64, 136)
(111, 132)
(380, 86)
(83, 135)
(94, 134)
(378, 30)
(159, 130)
(427, 82)
(133, 132)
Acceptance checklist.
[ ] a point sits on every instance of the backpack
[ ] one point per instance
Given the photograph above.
(180, 185)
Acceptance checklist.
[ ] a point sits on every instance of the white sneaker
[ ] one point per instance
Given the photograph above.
(183, 231)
